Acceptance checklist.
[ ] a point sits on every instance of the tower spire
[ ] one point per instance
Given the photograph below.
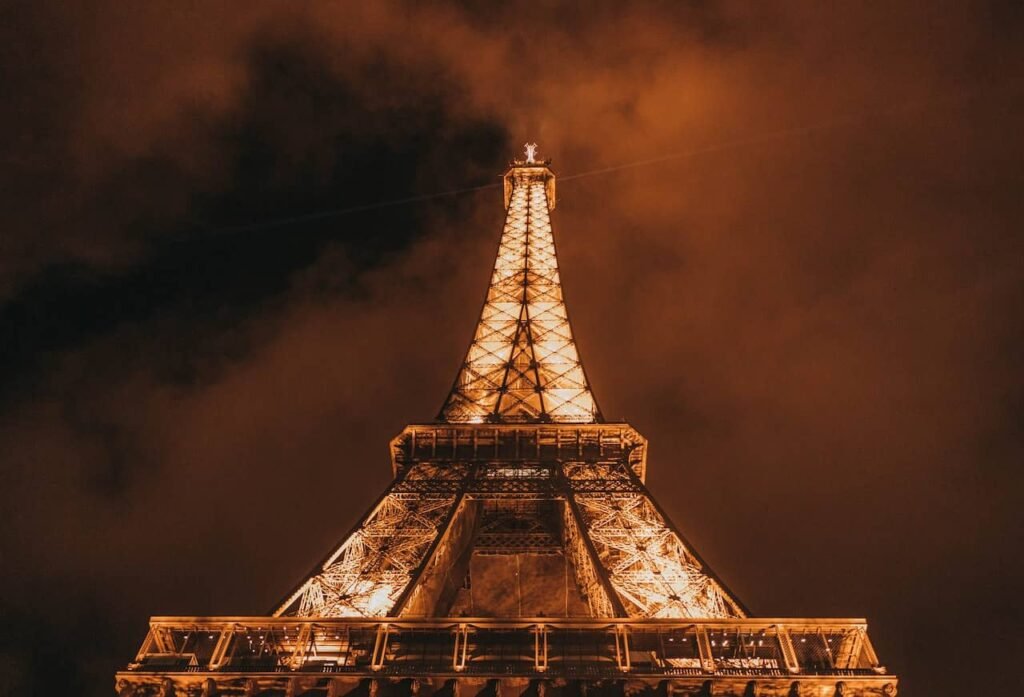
(523, 364)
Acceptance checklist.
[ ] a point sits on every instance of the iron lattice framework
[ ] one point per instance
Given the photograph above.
(628, 559)
(523, 364)
(523, 367)
(517, 542)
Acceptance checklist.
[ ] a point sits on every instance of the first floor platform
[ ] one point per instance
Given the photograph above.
(486, 657)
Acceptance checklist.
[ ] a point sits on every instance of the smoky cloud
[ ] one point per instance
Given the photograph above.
(813, 312)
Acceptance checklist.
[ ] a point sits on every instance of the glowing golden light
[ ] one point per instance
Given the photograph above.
(521, 427)
(523, 364)
(364, 575)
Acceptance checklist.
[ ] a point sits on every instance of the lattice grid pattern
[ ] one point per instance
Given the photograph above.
(523, 364)
(648, 565)
(545, 476)
(370, 570)
(587, 576)
(522, 367)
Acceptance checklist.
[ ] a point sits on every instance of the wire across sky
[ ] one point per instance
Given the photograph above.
(733, 144)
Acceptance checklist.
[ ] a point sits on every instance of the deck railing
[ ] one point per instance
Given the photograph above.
(524, 647)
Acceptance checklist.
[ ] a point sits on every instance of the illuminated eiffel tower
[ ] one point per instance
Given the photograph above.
(517, 549)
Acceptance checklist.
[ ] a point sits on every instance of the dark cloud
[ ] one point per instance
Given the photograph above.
(303, 137)
(817, 327)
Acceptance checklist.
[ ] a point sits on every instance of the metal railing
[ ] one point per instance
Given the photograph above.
(524, 647)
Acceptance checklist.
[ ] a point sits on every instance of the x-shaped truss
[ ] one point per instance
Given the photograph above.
(647, 564)
(523, 364)
(366, 575)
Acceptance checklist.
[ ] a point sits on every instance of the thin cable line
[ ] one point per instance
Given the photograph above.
(336, 212)
(781, 134)
(718, 147)
(836, 122)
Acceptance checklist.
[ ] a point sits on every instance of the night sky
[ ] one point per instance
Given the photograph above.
(814, 311)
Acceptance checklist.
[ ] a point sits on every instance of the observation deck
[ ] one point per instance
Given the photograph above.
(468, 656)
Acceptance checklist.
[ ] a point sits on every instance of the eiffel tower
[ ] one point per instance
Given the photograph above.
(518, 549)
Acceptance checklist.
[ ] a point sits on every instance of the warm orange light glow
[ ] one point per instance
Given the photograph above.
(523, 364)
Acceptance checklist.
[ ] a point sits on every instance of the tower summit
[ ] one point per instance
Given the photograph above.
(517, 547)
(523, 365)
